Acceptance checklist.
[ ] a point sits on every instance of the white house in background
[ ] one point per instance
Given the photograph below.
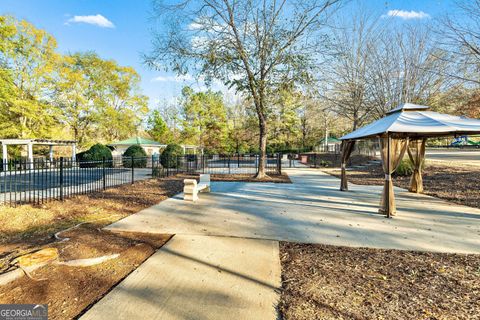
(151, 147)
(331, 144)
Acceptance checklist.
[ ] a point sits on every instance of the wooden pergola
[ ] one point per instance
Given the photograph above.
(30, 143)
(404, 129)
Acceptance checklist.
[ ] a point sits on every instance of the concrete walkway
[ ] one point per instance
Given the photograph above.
(223, 261)
(198, 277)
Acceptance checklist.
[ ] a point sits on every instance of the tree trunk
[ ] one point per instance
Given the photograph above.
(263, 149)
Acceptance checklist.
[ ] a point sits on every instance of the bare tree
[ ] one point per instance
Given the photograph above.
(461, 38)
(377, 66)
(347, 78)
(406, 66)
(251, 45)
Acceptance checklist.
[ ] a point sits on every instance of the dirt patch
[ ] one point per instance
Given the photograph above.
(328, 282)
(69, 290)
(452, 183)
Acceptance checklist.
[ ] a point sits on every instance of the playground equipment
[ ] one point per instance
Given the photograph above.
(463, 141)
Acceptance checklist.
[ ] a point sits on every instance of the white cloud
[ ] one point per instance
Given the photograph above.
(97, 20)
(186, 77)
(407, 15)
(195, 26)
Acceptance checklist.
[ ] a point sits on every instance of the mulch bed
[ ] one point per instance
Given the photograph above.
(457, 184)
(329, 282)
(68, 290)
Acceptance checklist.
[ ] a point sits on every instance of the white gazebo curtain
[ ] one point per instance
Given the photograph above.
(416, 153)
(393, 150)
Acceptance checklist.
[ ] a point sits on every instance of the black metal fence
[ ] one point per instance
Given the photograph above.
(42, 180)
(330, 156)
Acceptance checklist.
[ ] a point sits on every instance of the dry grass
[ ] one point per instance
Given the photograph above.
(28, 223)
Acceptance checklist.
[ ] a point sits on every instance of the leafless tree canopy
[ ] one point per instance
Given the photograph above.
(377, 65)
(461, 37)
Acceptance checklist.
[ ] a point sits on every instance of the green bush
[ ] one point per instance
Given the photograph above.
(139, 157)
(169, 156)
(405, 168)
(325, 163)
(96, 153)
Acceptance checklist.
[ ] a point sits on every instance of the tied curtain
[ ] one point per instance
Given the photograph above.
(392, 151)
(416, 153)
(347, 148)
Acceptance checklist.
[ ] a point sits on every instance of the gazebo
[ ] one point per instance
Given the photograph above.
(404, 129)
(30, 143)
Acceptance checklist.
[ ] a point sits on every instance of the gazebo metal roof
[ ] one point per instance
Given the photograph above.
(411, 120)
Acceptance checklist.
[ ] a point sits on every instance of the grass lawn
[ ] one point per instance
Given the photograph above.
(329, 282)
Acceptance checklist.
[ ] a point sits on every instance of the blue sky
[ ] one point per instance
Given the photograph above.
(120, 30)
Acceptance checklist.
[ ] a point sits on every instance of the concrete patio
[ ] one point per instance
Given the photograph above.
(224, 259)
(311, 209)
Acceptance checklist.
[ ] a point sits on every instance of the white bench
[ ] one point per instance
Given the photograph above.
(191, 188)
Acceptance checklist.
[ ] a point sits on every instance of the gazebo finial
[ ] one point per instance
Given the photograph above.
(408, 107)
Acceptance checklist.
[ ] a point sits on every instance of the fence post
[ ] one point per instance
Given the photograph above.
(152, 166)
(133, 171)
(229, 164)
(238, 160)
(178, 163)
(61, 178)
(279, 163)
(103, 174)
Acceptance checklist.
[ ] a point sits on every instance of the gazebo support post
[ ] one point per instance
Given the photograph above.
(388, 177)
(347, 148)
